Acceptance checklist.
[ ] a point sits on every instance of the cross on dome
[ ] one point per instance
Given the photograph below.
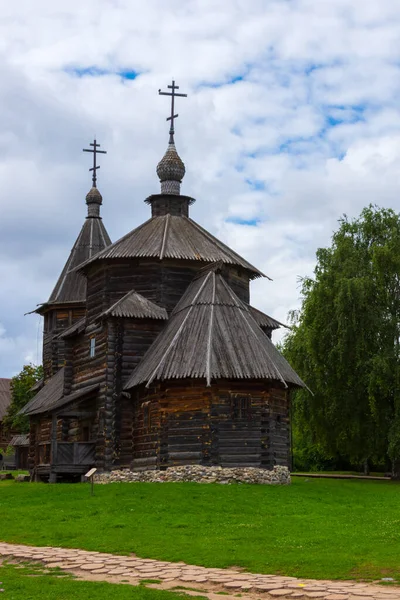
(173, 116)
(171, 169)
(95, 166)
(94, 198)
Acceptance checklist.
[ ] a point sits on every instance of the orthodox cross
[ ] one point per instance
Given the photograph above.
(173, 94)
(95, 152)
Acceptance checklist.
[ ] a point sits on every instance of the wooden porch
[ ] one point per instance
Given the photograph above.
(66, 458)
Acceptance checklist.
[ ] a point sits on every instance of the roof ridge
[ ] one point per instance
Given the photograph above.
(108, 248)
(159, 312)
(172, 237)
(238, 302)
(177, 334)
(164, 240)
(264, 350)
(212, 341)
(69, 260)
(210, 332)
(110, 308)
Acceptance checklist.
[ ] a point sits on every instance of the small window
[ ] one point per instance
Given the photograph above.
(146, 415)
(62, 319)
(241, 407)
(92, 347)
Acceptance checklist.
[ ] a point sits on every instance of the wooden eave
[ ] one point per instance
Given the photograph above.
(134, 305)
(172, 237)
(212, 335)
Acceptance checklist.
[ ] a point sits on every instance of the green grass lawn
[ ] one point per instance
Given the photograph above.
(318, 528)
(31, 583)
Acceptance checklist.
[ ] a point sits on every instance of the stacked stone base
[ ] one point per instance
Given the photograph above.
(199, 474)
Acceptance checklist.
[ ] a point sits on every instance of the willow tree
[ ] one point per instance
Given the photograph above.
(345, 341)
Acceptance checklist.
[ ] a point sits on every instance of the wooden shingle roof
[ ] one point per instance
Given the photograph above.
(133, 305)
(93, 237)
(5, 396)
(264, 320)
(51, 396)
(71, 286)
(172, 236)
(48, 396)
(20, 440)
(212, 334)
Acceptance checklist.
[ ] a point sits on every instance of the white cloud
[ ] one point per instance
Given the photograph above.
(292, 119)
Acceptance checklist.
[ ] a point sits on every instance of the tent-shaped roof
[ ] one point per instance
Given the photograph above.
(93, 237)
(71, 286)
(172, 236)
(212, 335)
(5, 396)
(136, 306)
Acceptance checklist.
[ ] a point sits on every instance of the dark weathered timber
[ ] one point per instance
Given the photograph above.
(228, 341)
(153, 356)
(178, 423)
(66, 303)
(173, 237)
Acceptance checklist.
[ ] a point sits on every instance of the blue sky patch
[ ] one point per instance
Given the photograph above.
(255, 184)
(241, 221)
(94, 71)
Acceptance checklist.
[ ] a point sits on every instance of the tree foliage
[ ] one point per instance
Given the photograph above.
(21, 393)
(345, 341)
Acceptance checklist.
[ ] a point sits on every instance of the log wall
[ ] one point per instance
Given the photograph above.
(229, 425)
(56, 321)
(163, 282)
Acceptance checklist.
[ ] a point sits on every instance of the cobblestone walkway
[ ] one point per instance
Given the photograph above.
(110, 567)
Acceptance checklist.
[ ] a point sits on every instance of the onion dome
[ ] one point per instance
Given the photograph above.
(171, 171)
(94, 199)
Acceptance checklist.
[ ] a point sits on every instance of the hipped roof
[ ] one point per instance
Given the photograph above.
(171, 236)
(71, 286)
(134, 305)
(51, 396)
(212, 335)
(5, 396)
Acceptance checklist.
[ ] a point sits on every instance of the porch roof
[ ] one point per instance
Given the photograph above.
(51, 397)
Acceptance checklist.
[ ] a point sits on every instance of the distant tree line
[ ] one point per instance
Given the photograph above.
(344, 343)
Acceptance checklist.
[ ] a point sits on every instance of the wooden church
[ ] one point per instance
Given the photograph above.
(152, 354)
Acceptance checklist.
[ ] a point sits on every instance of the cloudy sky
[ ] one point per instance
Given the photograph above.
(292, 118)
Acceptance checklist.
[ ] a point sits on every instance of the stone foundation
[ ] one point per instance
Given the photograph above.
(199, 474)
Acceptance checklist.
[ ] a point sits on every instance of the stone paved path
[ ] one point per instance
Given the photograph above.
(110, 567)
